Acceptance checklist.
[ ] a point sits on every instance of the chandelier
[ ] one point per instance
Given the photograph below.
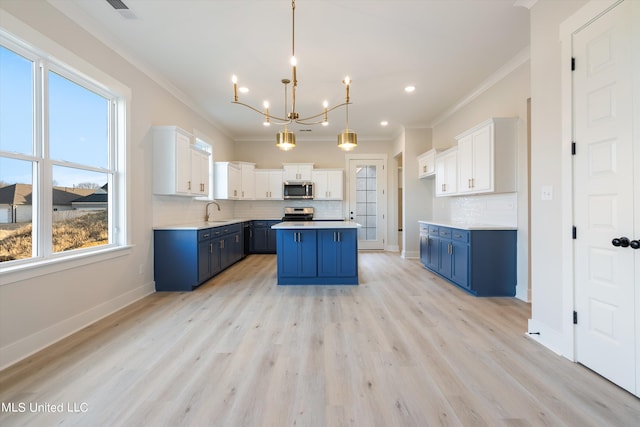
(286, 139)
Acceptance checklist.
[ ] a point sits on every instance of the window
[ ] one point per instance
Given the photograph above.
(61, 188)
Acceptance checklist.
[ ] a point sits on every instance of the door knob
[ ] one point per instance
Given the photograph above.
(635, 244)
(622, 241)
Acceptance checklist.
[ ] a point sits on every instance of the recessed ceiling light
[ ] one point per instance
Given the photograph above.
(384, 123)
(409, 89)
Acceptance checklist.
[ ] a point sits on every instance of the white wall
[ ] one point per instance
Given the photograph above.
(38, 311)
(418, 193)
(547, 315)
(506, 98)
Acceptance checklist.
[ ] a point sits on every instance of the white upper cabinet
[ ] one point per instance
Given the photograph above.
(427, 164)
(247, 181)
(200, 164)
(268, 184)
(179, 168)
(446, 172)
(487, 157)
(297, 171)
(235, 181)
(328, 184)
(227, 181)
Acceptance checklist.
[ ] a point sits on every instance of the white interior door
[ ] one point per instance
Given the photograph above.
(367, 205)
(606, 276)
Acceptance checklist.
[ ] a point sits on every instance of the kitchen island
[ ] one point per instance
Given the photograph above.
(317, 252)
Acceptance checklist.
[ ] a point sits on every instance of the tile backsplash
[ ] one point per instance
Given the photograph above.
(172, 210)
(495, 209)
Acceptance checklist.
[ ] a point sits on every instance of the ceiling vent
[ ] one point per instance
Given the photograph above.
(122, 9)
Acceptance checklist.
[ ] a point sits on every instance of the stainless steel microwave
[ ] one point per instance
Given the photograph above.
(297, 190)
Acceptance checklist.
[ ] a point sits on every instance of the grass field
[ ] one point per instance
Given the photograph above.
(87, 230)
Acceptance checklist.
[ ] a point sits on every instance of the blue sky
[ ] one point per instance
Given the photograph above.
(77, 123)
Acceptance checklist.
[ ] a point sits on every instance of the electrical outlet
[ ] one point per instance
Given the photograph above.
(546, 192)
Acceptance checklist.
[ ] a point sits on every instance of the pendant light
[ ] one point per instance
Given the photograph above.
(286, 139)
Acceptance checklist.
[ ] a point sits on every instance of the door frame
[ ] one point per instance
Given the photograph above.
(583, 17)
(385, 192)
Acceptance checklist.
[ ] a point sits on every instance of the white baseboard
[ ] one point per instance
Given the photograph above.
(16, 351)
(411, 254)
(522, 293)
(546, 336)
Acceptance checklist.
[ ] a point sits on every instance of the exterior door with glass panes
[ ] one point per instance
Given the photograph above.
(367, 205)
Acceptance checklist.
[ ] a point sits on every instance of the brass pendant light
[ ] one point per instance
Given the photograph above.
(285, 139)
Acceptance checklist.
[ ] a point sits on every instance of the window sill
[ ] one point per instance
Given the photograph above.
(36, 268)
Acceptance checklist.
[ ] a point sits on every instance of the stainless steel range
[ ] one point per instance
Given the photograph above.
(298, 214)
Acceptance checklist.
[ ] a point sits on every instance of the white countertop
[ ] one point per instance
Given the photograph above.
(203, 224)
(468, 226)
(315, 225)
(319, 223)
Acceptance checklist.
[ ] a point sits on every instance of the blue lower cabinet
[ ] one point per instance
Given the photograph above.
(482, 262)
(337, 253)
(460, 263)
(204, 260)
(317, 257)
(183, 259)
(297, 253)
(263, 237)
(176, 257)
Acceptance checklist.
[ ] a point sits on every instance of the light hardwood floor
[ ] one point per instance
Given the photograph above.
(403, 348)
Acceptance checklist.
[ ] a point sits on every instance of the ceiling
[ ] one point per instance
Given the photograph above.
(446, 48)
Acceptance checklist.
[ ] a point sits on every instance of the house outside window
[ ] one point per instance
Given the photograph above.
(61, 162)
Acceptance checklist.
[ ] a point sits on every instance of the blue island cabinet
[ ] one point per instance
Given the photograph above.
(297, 253)
(480, 261)
(314, 254)
(337, 253)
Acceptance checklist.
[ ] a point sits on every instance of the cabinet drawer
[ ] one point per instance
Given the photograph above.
(260, 224)
(233, 228)
(204, 234)
(445, 232)
(460, 235)
(434, 230)
(424, 229)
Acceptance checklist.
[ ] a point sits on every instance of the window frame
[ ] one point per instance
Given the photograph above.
(70, 67)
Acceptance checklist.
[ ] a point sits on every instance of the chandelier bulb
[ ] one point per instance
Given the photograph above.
(234, 80)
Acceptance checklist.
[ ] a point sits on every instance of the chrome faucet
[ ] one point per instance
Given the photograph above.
(206, 210)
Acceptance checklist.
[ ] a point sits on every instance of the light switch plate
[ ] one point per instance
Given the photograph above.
(546, 192)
